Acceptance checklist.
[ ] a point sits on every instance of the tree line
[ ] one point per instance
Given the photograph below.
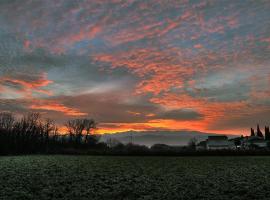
(33, 134)
(259, 133)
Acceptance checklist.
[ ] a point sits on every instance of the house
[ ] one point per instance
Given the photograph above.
(237, 141)
(219, 142)
(252, 142)
(256, 140)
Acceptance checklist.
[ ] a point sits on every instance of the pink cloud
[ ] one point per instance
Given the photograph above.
(58, 107)
(159, 70)
(27, 87)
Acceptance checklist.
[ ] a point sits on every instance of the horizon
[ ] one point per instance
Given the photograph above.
(138, 66)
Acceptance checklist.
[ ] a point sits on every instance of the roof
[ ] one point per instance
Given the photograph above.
(217, 145)
(218, 137)
(255, 139)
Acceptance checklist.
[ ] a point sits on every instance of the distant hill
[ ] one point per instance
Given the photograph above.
(148, 138)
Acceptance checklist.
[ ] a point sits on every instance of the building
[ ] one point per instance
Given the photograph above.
(219, 142)
(253, 142)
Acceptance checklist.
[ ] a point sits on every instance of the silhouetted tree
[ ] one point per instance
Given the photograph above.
(112, 142)
(267, 133)
(78, 127)
(192, 143)
(90, 125)
(32, 134)
(160, 147)
(72, 128)
(259, 132)
(6, 120)
(252, 133)
(28, 134)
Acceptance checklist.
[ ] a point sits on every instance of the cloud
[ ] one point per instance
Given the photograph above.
(53, 106)
(139, 65)
(182, 114)
(26, 85)
(159, 70)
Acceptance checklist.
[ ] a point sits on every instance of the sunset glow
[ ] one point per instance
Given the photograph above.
(138, 65)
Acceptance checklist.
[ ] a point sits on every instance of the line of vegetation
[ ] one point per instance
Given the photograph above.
(31, 134)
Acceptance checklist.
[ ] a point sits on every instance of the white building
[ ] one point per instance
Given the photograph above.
(219, 142)
(254, 142)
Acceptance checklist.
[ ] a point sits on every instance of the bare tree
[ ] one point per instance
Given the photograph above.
(112, 142)
(6, 120)
(89, 124)
(48, 126)
(71, 128)
(32, 134)
(192, 143)
(77, 127)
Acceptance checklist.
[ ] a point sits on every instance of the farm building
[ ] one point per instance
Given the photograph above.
(254, 142)
(219, 142)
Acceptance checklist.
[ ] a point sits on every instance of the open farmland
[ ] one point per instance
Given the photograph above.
(90, 177)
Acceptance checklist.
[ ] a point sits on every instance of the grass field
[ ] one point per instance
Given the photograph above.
(87, 177)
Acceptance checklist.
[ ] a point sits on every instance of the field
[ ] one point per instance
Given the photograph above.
(90, 177)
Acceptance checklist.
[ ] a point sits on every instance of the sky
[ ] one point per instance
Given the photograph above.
(155, 65)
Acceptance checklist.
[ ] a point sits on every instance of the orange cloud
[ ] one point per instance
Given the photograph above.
(161, 124)
(133, 113)
(151, 29)
(53, 106)
(28, 86)
(159, 70)
(212, 111)
(198, 46)
(122, 127)
(69, 40)
(87, 32)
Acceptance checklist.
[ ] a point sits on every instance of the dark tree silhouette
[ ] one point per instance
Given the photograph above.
(71, 128)
(192, 143)
(6, 120)
(252, 133)
(32, 134)
(77, 128)
(90, 125)
(267, 133)
(259, 132)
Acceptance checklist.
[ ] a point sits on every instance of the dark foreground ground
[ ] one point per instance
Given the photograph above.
(90, 177)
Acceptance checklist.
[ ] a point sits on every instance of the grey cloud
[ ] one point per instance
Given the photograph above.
(13, 105)
(110, 107)
(182, 114)
(246, 119)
